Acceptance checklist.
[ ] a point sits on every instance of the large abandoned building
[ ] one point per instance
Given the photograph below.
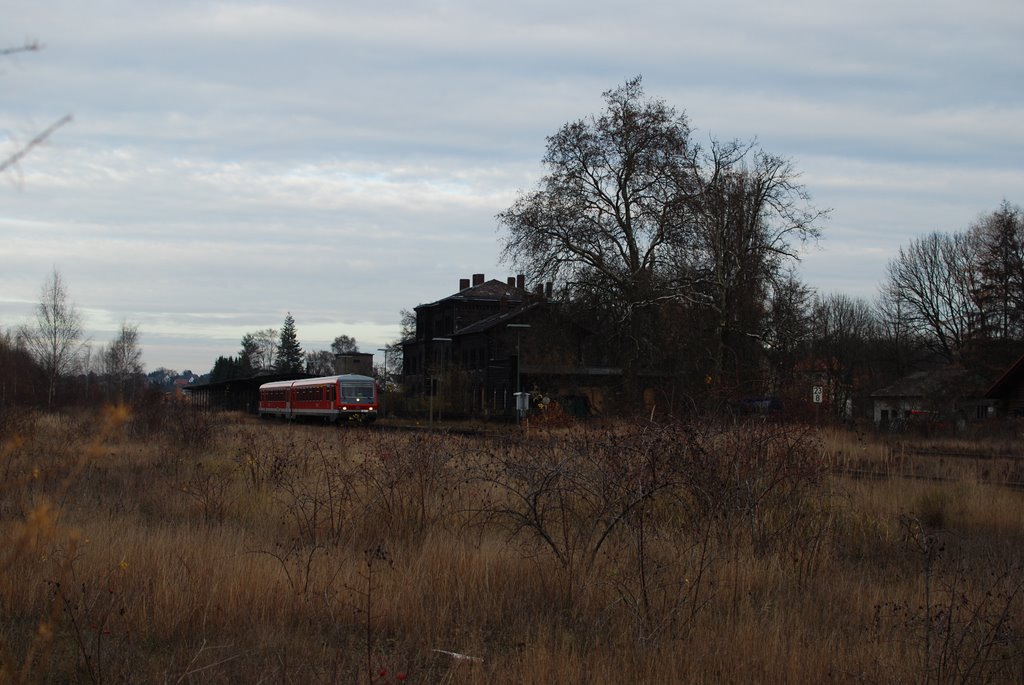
(475, 349)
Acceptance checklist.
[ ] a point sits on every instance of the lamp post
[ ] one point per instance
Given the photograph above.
(384, 377)
(519, 329)
(431, 422)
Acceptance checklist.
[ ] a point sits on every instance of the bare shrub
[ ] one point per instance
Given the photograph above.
(572, 491)
(15, 425)
(361, 551)
(187, 428)
(317, 498)
(264, 456)
(407, 482)
(966, 624)
(757, 476)
(17, 429)
(43, 480)
(94, 625)
(209, 484)
(569, 493)
(149, 412)
(933, 508)
(656, 506)
(312, 480)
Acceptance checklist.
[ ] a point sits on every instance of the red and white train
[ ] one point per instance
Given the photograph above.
(330, 398)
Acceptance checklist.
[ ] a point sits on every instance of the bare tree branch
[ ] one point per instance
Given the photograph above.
(39, 139)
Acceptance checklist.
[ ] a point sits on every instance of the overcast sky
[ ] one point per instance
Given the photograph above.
(229, 162)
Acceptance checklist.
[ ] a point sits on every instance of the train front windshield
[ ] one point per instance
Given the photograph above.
(357, 393)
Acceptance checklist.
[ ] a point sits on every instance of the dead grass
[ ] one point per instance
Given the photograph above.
(288, 553)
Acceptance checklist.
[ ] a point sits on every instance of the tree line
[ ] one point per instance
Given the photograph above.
(961, 295)
(279, 351)
(49, 362)
(681, 257)
(51, 350)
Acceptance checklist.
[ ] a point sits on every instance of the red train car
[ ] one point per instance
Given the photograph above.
(330, 398)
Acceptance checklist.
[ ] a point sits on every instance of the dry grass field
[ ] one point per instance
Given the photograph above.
(182, 548)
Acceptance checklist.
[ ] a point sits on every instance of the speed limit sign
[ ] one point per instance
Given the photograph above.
(816, 393)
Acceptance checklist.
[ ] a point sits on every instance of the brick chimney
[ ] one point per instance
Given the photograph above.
(521, 282)
(511, 281)
(549, 287)
(478, 279)
(463, 284)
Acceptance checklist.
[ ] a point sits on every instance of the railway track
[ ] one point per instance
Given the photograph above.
(877, 475)
(962, 455)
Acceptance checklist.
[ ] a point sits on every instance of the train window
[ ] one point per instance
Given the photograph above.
(273, 395)
(357, 392)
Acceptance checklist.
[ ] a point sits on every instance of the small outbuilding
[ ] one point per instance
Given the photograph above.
(1007, 393)
(236, 394)
(940, 394)
(360, 363)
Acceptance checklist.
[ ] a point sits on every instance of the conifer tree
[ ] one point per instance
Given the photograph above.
(248, 357)
(289, 358)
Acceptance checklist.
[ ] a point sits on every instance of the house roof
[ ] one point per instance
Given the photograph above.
(489, 290)
(496, 320)
(1011, 376)
(950, 380)
(915, 385)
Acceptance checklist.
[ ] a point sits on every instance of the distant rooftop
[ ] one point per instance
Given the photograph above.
(480, 289)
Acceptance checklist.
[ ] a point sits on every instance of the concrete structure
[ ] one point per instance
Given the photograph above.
(360, 363)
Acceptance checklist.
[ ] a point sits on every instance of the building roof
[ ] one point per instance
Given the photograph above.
(494, 320)
(489, 290)
(1010, 377)
(950, 380)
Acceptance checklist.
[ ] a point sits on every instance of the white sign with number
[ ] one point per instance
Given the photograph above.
(816, 394)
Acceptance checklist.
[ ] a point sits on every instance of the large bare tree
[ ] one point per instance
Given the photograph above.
(999, 241)
(320, 362)
(266, 348)
(55, 339)
(631, 214)
(122, 361)
(344, 344)
(933, 283)
(749, 217)
(786, 329)
(845, 330)
(609, 206)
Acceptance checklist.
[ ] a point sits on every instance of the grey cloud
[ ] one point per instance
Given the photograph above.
(227, 160)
